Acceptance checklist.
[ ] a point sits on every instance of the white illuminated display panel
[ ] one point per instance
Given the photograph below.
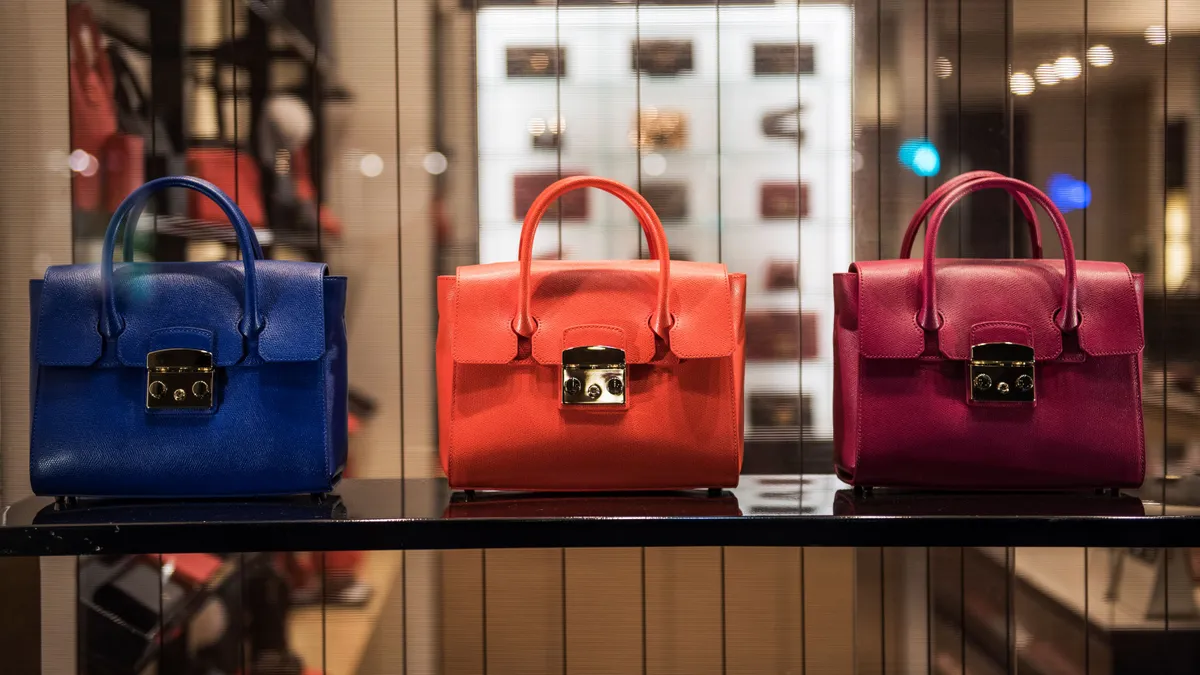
(726, 159)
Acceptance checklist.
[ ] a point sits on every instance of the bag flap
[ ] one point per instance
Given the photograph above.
(571, 294)
(971, 292)
(158, 300)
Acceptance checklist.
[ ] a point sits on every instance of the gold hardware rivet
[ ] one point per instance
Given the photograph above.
(180, 394)
(594, 392)
(1002, 387)
(1024, 383)
(983, 382)
(200, 389)
(157, 389)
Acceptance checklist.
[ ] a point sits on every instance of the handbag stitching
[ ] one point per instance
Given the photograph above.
(863, 330)
(41, 305)
(324, 366)
(454, 336)
(731, 338)
(1135, 377)
(858, 407)
(736, 435)
(1141, 338)
(450, 442)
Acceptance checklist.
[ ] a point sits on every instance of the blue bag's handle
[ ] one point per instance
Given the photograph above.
(131, 230)
(135, 202)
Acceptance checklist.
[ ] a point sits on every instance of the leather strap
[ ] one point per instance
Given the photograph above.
(134, 203)
(914, 225)
(1068, 315)
(524, 324)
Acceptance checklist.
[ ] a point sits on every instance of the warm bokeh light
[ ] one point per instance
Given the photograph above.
(1156, 35)
(942, 67)
(1067, 67)
(1021, 83)
(1046, 75)
(1100, 56)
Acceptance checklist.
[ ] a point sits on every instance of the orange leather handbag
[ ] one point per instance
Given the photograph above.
(608, 375)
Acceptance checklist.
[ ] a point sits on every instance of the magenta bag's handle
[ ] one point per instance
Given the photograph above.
(1068, 316)
(914, 225)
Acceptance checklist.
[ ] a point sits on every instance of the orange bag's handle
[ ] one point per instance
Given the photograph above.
(524, 324)
(914, 225)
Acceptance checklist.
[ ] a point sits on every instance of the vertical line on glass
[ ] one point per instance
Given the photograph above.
(400, 242)
(804, 619)
(958, 124)
(325, 611)
(1166, 415)
(799, 263)
(637, 117)
(562, 567)
(720, 159)
(644, 660)
(558, 115)
(1009, 108)
(483, 606)
(1087, 609)
(879, 128)
(724, 629)
(928, 588)
(882, 612)
(1086, 92)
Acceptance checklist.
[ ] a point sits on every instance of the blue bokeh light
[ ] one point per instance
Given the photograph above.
(920, 155)
(1068, 193)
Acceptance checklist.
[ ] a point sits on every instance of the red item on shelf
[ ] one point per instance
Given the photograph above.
(93, 110)
(302, 178)
(236, 174)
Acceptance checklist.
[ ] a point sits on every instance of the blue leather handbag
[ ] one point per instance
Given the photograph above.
(200, 379)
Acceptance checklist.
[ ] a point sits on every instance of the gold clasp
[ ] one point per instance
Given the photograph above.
(179, 379)
(593, 376)
(1002, 372)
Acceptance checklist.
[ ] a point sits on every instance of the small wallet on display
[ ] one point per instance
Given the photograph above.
(527, 186)
(783, 124)
(657, 129)
(536, 61)
(776, 410)
(783, 275)
(661, 57)
(780, 335)
(546, 134)
(783, 201)
(783, 59)
(669, 200)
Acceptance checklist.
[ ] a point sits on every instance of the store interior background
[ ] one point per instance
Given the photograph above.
(405, 167)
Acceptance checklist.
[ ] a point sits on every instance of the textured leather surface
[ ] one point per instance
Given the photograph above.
(901, 410)
(501, 423)
(577, 293)
(975, 291)
(279, 420)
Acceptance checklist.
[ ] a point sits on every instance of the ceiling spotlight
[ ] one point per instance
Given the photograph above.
(1156, 35)
(1021, 83)
(1067, 67)
(942, 67)
(1100, 56)
(1046, 75)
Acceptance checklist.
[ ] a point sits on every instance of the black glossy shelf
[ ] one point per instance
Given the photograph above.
(777, 510)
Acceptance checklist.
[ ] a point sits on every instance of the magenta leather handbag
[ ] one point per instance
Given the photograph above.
(988, 374)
